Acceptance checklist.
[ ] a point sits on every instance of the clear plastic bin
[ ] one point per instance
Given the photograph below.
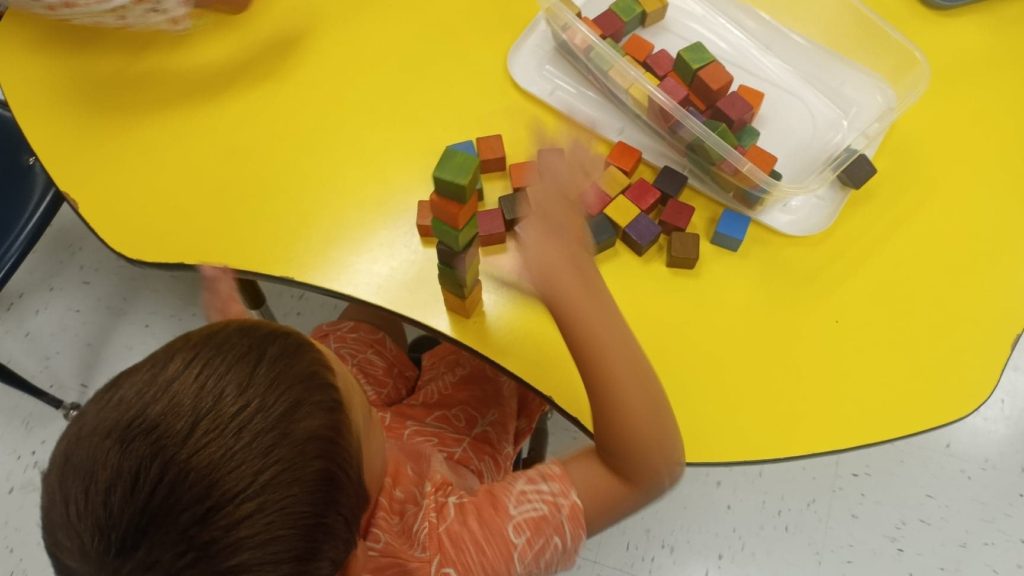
(834, 74)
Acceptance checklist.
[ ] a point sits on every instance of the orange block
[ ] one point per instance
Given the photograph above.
(638, 47)
(763, 159)
(752, 95)
(423, 218)
(451, 212)
(464, 307)
(624, 157)
(594, 27)
(522, 175)
(711, 83)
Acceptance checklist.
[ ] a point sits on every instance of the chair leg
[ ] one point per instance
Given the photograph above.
(538, 450)
(255, 299)
(19, 383)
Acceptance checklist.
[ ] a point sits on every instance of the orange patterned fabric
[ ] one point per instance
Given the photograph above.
(162, 14)
(450, 505)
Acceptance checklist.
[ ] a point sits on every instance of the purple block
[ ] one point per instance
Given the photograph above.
(640, 234)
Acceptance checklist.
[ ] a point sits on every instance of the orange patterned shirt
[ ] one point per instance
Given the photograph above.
(451, 505)
(162, 14)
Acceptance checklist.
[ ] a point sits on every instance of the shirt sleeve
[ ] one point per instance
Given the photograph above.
(159, 14)
(529, 524)
(385, 372)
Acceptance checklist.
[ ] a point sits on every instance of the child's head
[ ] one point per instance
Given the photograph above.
(241, 448)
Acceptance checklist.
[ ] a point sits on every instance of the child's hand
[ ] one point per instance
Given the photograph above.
(221, 299)
(554, 241)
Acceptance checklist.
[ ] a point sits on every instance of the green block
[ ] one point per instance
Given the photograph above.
(691, 59)
(722, 131)
(457, 175)
(615, 46)
(701, 156)
(631, 12)
(601, 61)
(454, 238)
(458, 284)
(748, 136)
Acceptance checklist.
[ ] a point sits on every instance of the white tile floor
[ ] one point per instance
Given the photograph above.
(949, 502)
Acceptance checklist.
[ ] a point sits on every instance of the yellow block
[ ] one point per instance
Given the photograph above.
(613, 181)
(654, 11)
(621, 210)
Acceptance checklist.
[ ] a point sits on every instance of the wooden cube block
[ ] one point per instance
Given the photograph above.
(764, 160)
(753, 96)
(624, 157)
(722, 131)
(734, 111)
(466, 146)
(593, 27)
(452, 213)
(491, 150)
(611, 24)
(683, 250)
(659, 63)
(748, 136)
(621, 77)
(604, 232)
(423, 218)
(456, 239)
(640, 234)
(676, 216)
(691, 59)
(731, 230)
(514, 207)
(674, 88)
(458, 282)
(621, 211)
(457, 175)
(711, 83)
(595, 200)
(464, 306)
(638, 47)
(670, 182)
(492, 227)
(459, 260)
(638, 97)
(654, 11)
(613, 181)
(522, 175)
(645, 196)
(573, 7)
(603, 61)
(857, 173)
(631, 12)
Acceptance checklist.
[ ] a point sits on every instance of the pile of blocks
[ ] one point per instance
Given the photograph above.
(640, 212)
(453, 215)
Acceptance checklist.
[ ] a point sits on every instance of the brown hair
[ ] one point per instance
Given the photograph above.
(228, 452)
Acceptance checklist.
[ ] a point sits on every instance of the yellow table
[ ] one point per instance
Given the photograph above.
(295, 140)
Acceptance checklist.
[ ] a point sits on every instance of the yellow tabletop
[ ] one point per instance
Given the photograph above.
(295, 140)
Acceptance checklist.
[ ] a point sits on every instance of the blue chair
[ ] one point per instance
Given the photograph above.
(28, 202)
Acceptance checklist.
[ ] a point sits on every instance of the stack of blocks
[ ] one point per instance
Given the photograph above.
(619, 207)
(455, 224)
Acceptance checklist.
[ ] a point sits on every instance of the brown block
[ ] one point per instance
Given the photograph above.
(683, 250)
(423, 218)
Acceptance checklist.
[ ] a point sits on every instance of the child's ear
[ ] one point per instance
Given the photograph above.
(228, 6)
(356, 561)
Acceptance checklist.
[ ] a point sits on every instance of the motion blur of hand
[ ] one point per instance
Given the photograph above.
(220, 295)
(552, 244)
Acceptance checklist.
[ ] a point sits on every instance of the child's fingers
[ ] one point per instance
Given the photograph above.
(507, 269)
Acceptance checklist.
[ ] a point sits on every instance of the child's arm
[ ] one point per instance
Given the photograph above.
(638, 452)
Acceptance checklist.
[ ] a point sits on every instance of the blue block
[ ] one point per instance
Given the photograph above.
(468, 147)
(731, 230)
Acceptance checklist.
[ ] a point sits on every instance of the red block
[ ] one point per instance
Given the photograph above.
(644, 195)
(624, 157)
(492, 227)
(660, 63)
(611, 25)
(676, 216)
(712, 83)
(595, 200)
(491, 150)
(734, 111)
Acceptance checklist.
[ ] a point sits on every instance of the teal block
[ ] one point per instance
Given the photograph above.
(691, 59)
(452, 237)
(748, 136)
(457, 175)
(468, 146)
(631, 12)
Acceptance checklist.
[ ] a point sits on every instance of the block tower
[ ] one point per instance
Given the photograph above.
(453, 205)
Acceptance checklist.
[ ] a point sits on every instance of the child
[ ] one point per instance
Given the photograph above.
(162, 14)
(245, 448)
